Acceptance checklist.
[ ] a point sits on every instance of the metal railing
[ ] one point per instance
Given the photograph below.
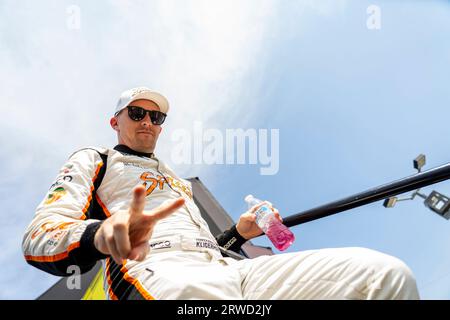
(394, 188)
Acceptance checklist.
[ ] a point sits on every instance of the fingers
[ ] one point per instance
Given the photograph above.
(125, 235)
(108, 234)
(139, 252)
(166, 209)
(141, 226)
(122, 239)
(277, 215)
(99, 243)
(257, 206)
(138, 202)
(248, 216)
(253, 210)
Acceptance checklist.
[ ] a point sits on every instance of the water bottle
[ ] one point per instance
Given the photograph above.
(276, 231)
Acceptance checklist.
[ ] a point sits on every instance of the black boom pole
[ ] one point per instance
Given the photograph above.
(407, 184)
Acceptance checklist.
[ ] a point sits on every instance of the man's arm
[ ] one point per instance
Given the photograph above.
(62, 233)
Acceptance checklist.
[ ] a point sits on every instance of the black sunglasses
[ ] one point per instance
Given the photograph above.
(137, 114)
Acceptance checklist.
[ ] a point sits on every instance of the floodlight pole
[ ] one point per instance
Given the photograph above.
(414, 182)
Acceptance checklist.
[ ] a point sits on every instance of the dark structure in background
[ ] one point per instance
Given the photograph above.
(216, 217)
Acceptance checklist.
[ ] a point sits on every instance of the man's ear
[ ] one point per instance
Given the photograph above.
(160, 129)
(114, 124)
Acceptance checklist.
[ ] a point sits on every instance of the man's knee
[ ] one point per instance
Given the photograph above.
(400, 281)
(390, 278)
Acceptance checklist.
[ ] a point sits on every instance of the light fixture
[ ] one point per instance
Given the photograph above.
(419, 162)
(438, 203)
(435, 201)
(390, 202)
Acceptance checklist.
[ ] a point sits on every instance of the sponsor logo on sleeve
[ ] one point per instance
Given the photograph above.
(55, 195)
(66, 169)
(52, 230)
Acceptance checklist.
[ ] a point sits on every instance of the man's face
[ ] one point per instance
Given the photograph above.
(138, 135)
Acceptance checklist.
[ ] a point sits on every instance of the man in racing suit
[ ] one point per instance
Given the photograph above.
(124, 206)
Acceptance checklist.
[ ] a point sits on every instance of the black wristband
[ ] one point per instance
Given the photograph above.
(231, 239)
(89, 252)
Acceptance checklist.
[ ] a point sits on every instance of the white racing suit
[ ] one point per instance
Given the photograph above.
(184, 261)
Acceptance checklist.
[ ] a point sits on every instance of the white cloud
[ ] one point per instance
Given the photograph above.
(197, 53)
(60, 85)
(63, 84)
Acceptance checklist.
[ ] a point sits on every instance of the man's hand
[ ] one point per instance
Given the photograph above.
(247, 226)
(125, 234)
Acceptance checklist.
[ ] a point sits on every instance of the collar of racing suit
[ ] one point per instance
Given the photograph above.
(125, 149)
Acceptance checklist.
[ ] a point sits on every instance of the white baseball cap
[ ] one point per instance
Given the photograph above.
(134, 94)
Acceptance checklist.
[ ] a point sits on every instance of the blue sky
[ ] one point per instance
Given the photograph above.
(353, 107)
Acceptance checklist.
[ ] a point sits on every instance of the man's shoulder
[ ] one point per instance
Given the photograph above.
(92, 151)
